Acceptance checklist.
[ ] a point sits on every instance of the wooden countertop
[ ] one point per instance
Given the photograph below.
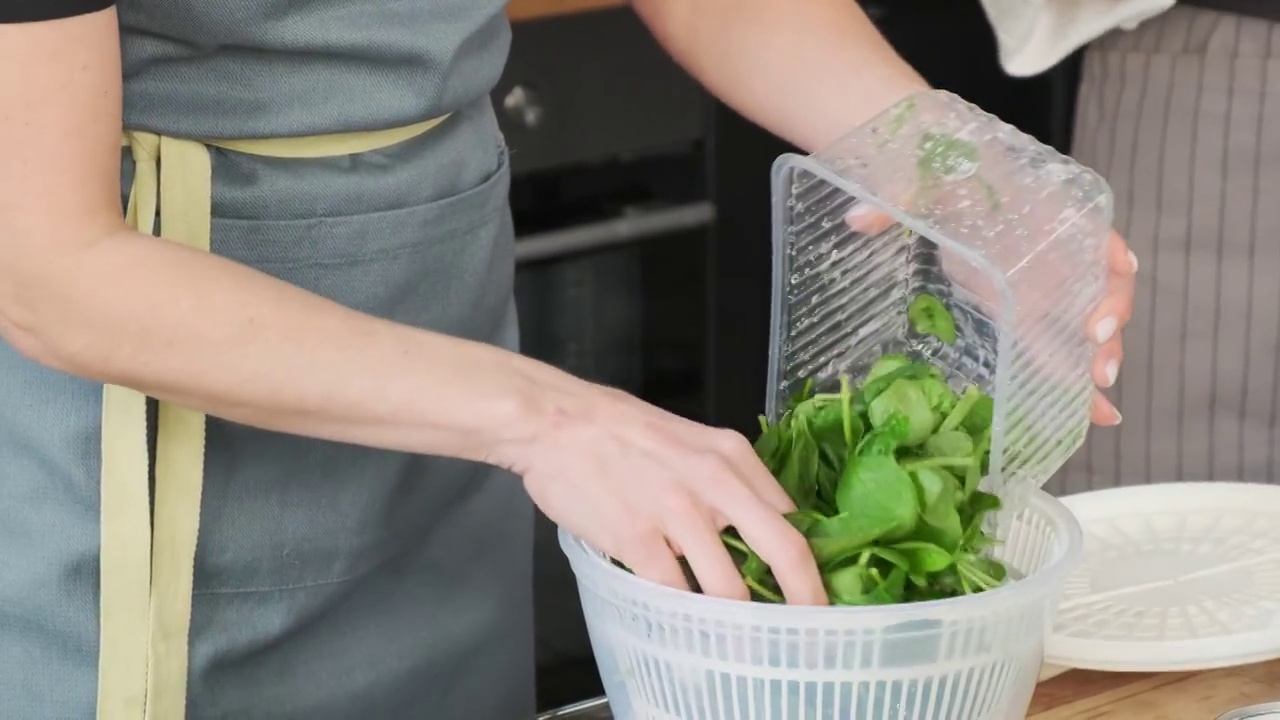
(533, 9)
(1081, 694)
(1086, 695)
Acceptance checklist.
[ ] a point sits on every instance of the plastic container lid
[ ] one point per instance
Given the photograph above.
(1175, 577)
(663, 653)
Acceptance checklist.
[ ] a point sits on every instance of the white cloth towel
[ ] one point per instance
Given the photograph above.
(1035, 35)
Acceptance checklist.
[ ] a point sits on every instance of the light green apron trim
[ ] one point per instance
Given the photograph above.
(146, 574)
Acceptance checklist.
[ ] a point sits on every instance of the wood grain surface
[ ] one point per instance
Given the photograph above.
(1086, 695)
(534, 9)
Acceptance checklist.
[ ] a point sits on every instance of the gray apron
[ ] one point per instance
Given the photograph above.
(330, 581)
(1182, 116)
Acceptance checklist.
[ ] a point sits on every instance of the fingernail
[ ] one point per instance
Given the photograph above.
(1133, 261)
(1118, 419)
(861, 218)
(1112, 371)
(1104, 330)
(861, 210)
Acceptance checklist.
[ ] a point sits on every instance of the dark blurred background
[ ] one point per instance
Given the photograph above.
(642, 212)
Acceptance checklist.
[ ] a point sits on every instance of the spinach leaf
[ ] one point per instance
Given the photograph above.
(924, 559)
(885, 477)
(907, 399)
(949, 443)
(846, 585)
(973, 475)
(885, 365)
(980, 416)
(928, 316)
(961, 410)
(772, 445)
(939, 394)
(858, 585)
(939, 514)
(872, 389)
(837, 539)
(799, 474)
(946, 157)
(886, 439)
(877, 492)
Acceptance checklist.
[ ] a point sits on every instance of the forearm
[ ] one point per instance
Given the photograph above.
(82, 293)
(217, 336)
(809, 71)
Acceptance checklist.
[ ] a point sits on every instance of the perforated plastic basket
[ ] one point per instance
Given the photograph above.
(1011, 236)
(665, 654)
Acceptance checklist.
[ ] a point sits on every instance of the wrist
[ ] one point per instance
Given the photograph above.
(530, 400)
(880, 94)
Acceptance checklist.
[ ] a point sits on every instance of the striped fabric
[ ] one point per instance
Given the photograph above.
(1183, 117)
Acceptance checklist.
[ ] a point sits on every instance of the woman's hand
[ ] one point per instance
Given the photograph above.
(1107, 322)
(647, 487)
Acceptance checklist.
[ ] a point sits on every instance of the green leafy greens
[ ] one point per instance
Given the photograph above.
(885, 477)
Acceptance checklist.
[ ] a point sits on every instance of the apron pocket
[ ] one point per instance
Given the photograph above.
(281, 511)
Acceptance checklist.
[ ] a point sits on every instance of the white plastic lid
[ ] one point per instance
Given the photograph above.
(1175, 577)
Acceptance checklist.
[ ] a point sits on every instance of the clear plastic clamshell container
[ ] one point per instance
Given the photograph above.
(1008, 233)
(1011, 236)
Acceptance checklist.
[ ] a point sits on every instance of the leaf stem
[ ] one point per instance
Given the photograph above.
(762, 590)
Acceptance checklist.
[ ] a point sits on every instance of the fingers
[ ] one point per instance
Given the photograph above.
(777, 542)
(646, 553)
(868, 220)
(1106, 367)
(695, 532)
(1107, 322)
(1104, 413)
(741, 456)
(1106, 362)
(1115, 310)
(1120, 258)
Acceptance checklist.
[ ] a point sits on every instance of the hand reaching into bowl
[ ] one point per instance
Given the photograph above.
(647, 487)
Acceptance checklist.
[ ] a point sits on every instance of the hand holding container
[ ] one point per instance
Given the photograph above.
(1007, 232)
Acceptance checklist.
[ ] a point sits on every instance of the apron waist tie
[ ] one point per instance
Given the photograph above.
(146, 573)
